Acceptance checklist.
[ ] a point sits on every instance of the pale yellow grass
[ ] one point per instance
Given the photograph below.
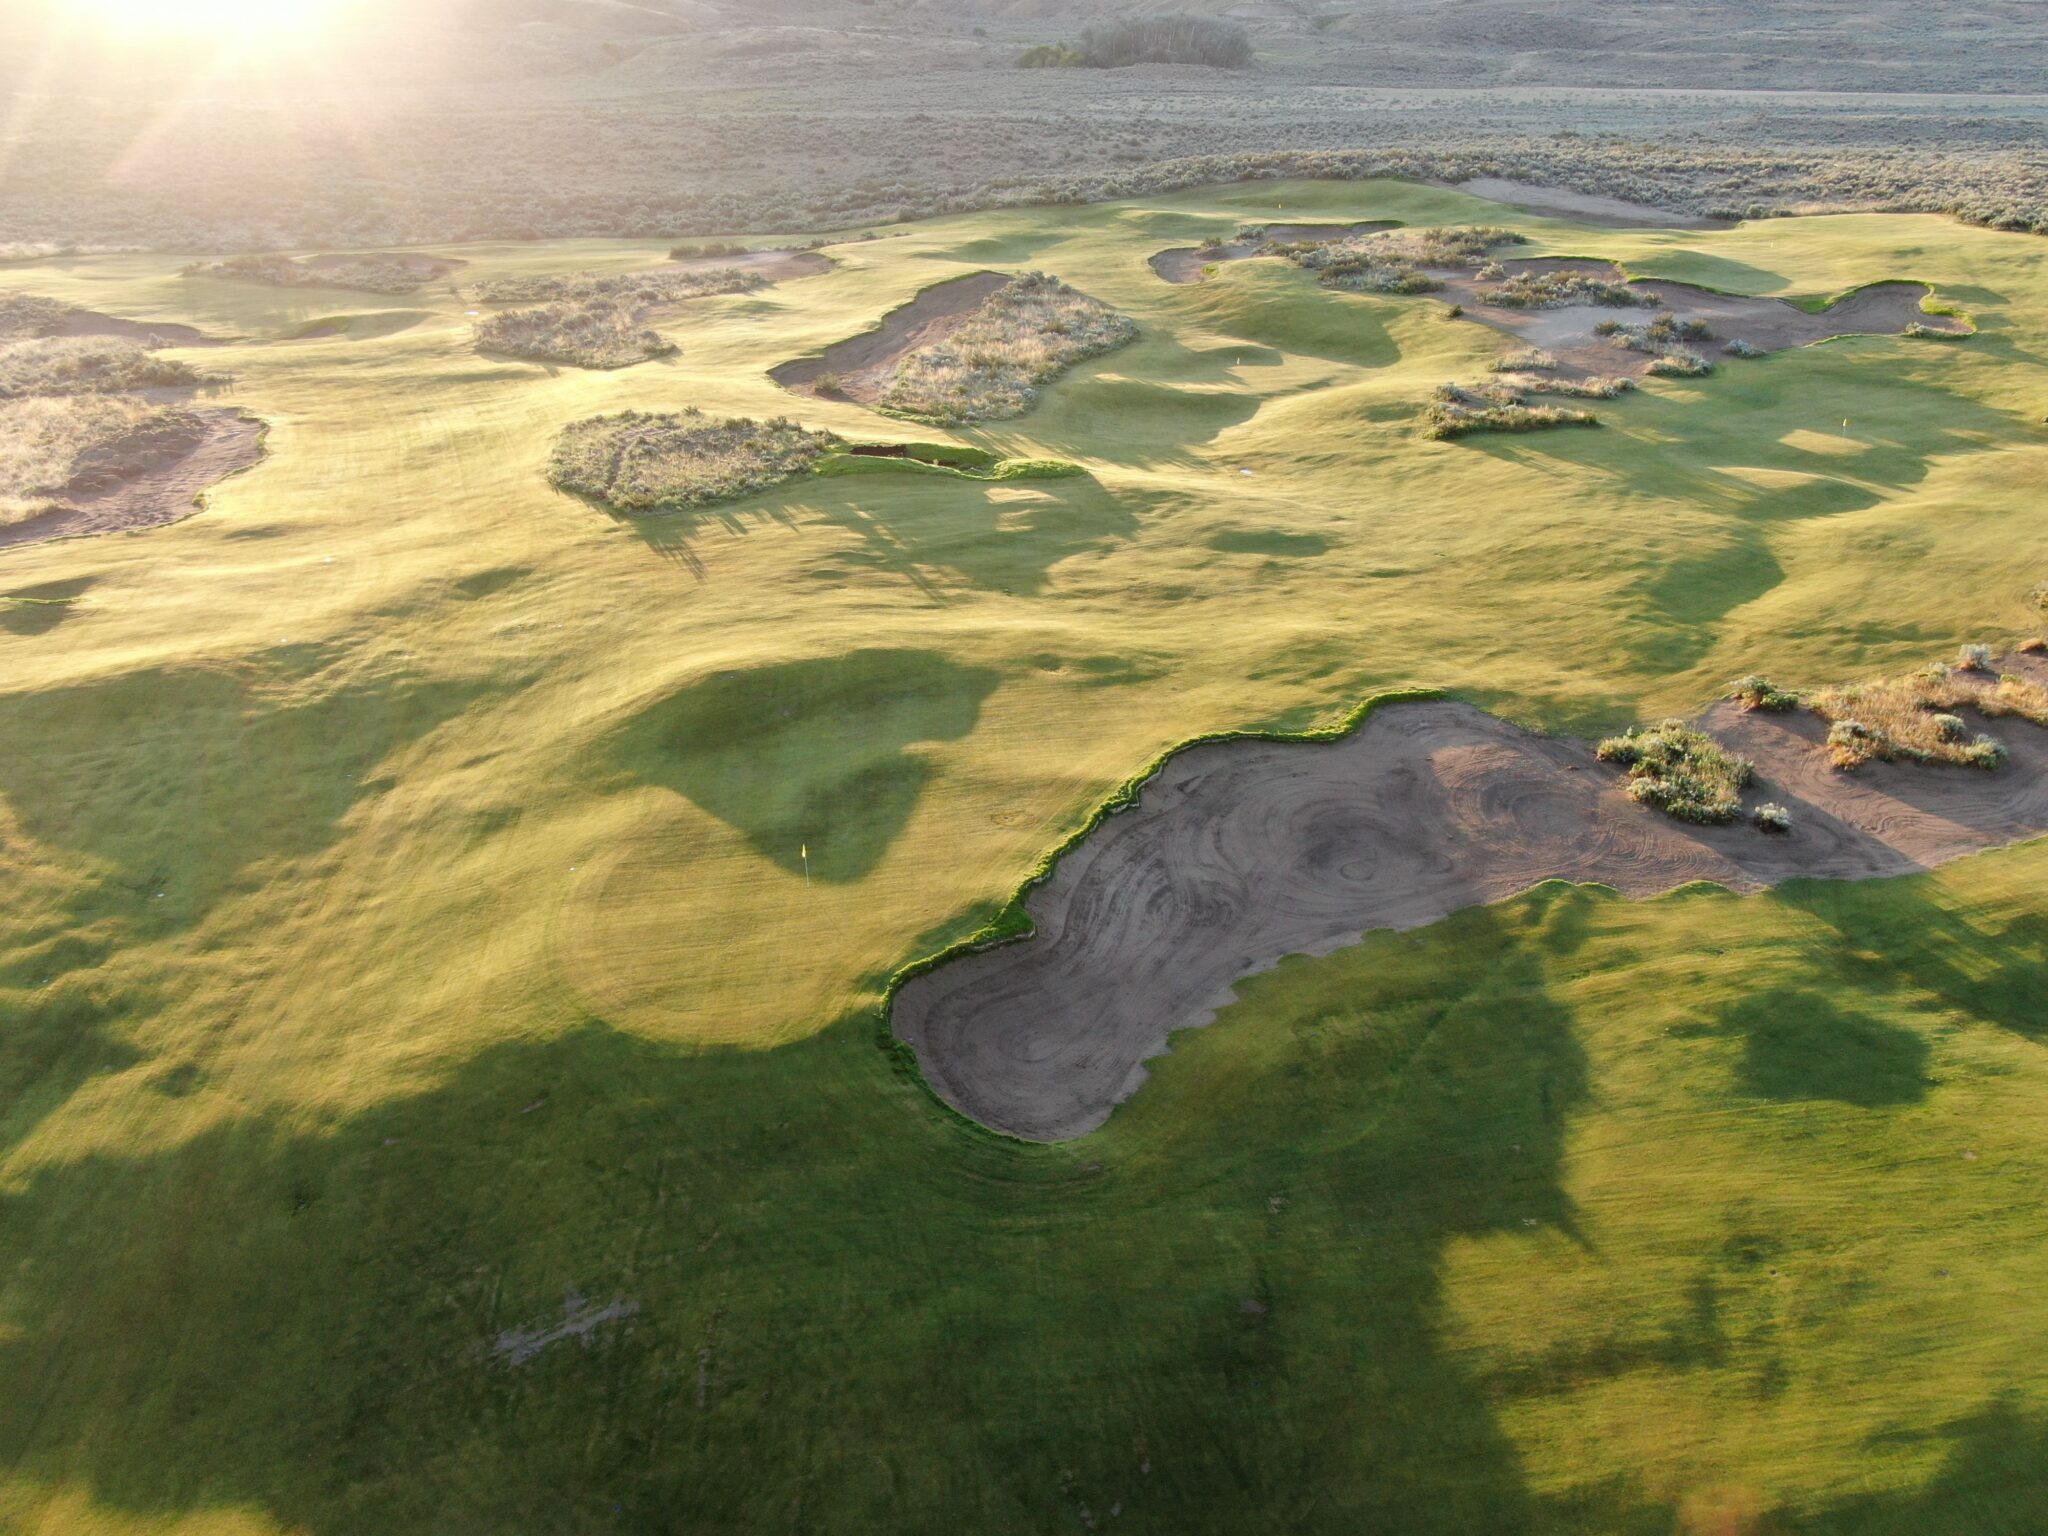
(43, 439)
(1913, 717)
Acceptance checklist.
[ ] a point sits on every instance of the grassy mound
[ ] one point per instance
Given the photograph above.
(1395, 261)
(659, 285)
(1502, 405)
(637, 462)
(1913, 718)
(596, 335)
(364, 274)
(594, 320)
(79, 443)
(1680, 771)
(992, 366)
(25, 314)
(82, 365)
(938, 459)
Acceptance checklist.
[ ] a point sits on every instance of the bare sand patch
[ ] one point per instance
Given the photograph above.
(1582, 207)
(1191, 263)
(862, 364)
(1240, 853)
(150, 482)
(581, 1318)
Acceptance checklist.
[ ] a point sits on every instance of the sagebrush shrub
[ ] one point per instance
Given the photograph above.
(1680, 771)
(646, 462)
(992, 366)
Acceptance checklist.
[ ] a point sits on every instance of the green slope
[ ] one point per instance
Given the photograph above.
(403, 923)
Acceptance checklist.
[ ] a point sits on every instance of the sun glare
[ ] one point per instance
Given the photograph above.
(211, 20)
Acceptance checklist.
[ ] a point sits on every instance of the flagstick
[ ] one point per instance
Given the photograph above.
(804, 852)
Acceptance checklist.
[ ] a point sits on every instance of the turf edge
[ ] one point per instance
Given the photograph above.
(1012, 924)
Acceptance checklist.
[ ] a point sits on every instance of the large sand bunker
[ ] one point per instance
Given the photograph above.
(1767, 325)
(1191, 263)
(154, 481)
(1239, 853)
(861, 364)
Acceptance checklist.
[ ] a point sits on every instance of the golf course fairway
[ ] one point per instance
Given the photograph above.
(444, 927)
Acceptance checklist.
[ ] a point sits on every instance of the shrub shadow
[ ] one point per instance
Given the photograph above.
(1799, 1045)
(41, 608)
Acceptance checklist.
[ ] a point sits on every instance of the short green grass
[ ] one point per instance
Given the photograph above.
(426, 896)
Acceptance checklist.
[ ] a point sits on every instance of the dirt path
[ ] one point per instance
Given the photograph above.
(862, 364)
(1191, 263)
(1582, 207)
(1241, 853)
(162, 493)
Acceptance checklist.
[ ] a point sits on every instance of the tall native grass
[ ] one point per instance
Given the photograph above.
(25, 314)
(1396, 261)
(57, 445)
(656, 285)
(650, 462)
(1914, 718)
(993, 365)
(86, 365)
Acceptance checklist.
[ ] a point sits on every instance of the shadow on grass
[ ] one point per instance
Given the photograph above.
(1765, 447)
(593, 1283)
(1723, 274)
(1991, 966)
(1274, 542)
(810, 754)
(820, 1303)
(149, 776)
(1696, 592)
(38, 609)
(65, 1022)
(996, 538)
(1799, 1045)
(1993, 1482)
(931, 532)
